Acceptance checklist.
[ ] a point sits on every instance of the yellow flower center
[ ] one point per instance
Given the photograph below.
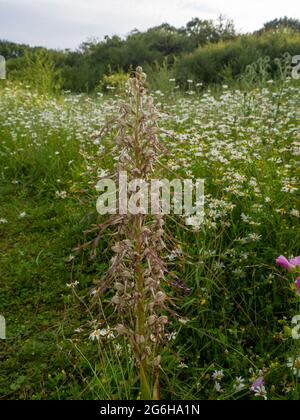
(297, 364)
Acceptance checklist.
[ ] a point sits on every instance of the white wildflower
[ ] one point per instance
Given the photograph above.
(218, 375)
(260, 391)
(294, 365)
(239, 384)
(72, 285)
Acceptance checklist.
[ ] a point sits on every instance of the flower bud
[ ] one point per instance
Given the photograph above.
(121, 329)
(160, 297)
(119, 287)
(116, 300)
(163, 320)
(156, 361)
(152, 319)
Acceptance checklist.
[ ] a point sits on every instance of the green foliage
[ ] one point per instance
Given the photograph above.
(160, 77)
(82, 69)
(13, 50)
(211, 63)
(202, 50)
(113, 83)
(203, 32)
(279, 24)
(39, 72)
(240, 310)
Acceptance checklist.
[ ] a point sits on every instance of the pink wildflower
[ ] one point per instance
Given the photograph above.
(259, 382)
(297, 283)
(288, 264)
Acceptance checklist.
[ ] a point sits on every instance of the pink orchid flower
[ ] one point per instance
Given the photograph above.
(257, 383)
(288, 264)
(297, 283)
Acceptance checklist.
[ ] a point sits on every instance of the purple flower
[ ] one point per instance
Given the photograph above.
(288, 264)
(295, 261)
(257, 383)
(297, 283)
(182, 286)
(284, 262)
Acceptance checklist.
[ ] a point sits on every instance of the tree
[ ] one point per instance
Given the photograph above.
(202, 32)
(285, 22)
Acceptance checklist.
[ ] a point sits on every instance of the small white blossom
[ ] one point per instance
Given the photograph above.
(103, 332)
(239, 384)
(72, 285)
(218, 375)
(218, 387)
(182, 365)
(295, 213)
(97, 334)
(294, 365)
(260, 391)
(61, 194)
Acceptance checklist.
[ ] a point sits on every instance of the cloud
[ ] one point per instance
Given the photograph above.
(198, 7)
(66, 23)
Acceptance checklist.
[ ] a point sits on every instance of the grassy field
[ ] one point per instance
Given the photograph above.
(246, 145)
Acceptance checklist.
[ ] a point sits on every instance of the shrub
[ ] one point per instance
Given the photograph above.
(208, 64)
(39, 72)
(113, 83)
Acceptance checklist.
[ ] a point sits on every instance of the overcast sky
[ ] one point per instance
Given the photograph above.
(66, 23)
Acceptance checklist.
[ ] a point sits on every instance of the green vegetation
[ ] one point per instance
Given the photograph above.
(246, 147)
(229, 60)
(203, 50)
(229, 113)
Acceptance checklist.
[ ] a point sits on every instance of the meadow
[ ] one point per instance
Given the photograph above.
(235, 324)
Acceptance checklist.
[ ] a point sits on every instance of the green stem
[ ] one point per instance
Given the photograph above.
(141, 319)
(145, 387)
(156, 388)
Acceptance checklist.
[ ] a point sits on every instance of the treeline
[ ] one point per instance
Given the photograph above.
(203, 50)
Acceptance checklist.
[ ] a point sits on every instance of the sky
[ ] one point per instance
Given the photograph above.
(67, 23)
